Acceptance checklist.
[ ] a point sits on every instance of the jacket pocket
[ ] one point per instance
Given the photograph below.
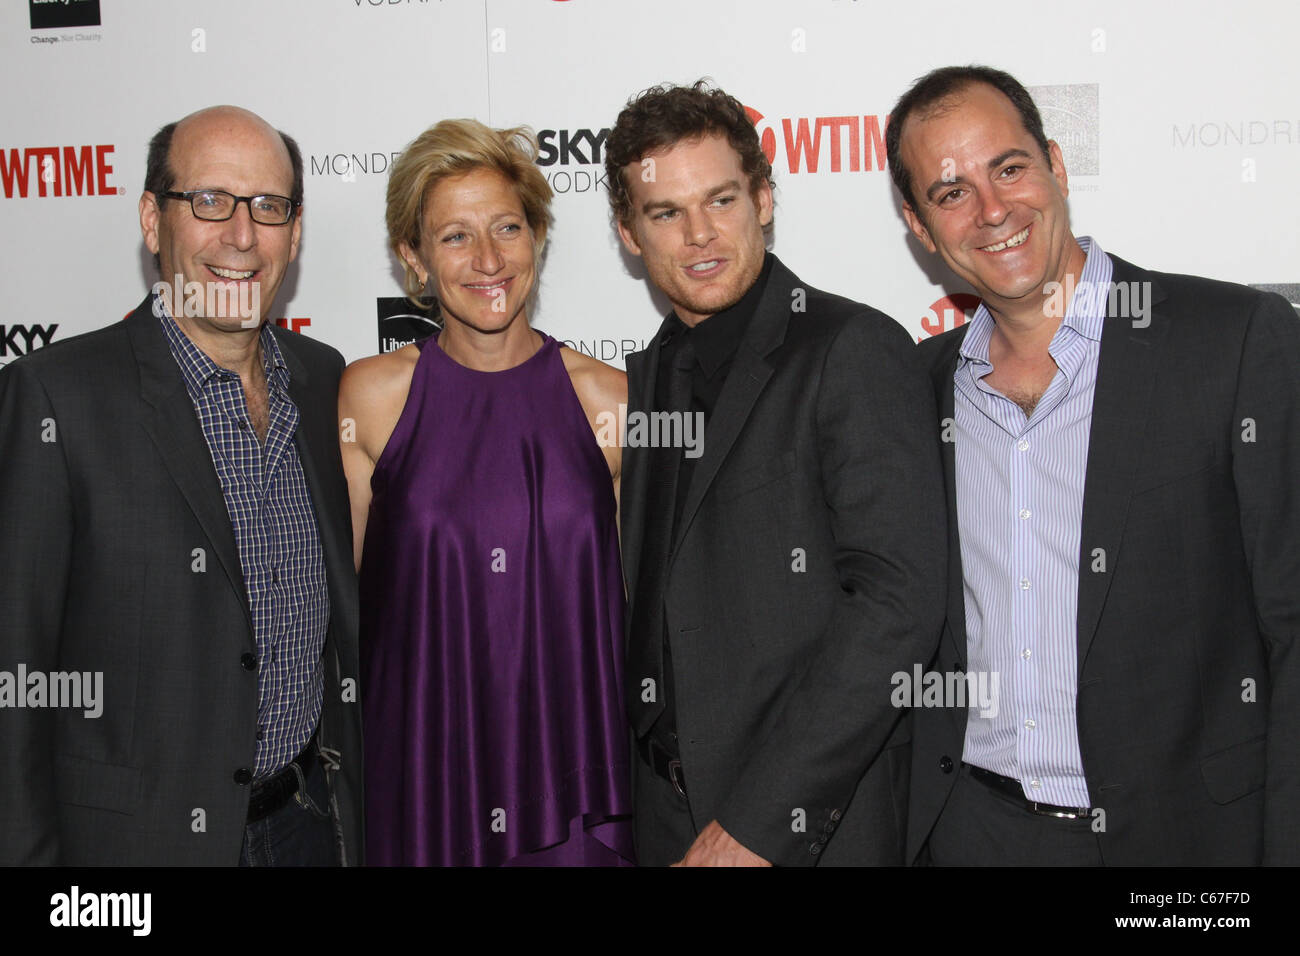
(1233, 773)
(103, 786)
(727, 487)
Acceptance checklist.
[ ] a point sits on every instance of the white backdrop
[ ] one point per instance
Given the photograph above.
(1180, 123)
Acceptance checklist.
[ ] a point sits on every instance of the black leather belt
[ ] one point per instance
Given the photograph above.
(663, 762)
(274, 792)
(1011, 788)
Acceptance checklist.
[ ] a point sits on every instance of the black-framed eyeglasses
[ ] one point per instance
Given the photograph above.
(217, 205)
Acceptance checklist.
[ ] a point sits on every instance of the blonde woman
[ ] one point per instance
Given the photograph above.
(484, 512)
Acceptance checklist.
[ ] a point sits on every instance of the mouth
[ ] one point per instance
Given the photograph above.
(706, 268)
(239, 275)
(1017, 240)
(489, 289)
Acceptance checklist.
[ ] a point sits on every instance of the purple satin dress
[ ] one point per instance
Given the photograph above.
(492, 627)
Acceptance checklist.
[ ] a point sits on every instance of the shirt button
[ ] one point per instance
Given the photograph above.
(1034, 784)
(1024, 512)
(248, 661)
(1030, 723)
(1023, 444)
(243, 776)
(1024, 584)
(260, 733)
(1025, 653)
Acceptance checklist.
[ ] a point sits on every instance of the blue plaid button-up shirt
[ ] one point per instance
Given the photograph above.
(279, 545)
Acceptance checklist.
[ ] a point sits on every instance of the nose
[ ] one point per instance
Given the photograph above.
(699, 228)
(993, 209)
(489, 259)
(241, 231)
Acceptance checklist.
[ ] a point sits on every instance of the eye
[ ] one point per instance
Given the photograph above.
(511, 228)
(454, 237)
(724, 200)
(207, 199)
(950, 197)
(664, 215)
(1010, 172)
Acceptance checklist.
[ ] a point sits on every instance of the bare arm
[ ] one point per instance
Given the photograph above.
(372, 394)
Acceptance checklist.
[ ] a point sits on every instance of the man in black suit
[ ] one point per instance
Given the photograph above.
(779, 579)
(1121, 450)
(176, 533)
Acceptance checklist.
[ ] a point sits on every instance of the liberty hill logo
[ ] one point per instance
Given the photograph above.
(401, 323)
(1071, 116)
(51, 14)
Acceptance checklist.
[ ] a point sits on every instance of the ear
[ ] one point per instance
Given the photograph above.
(297, 235)
(763, 200)
(149, 216)
(412, 260)
(915, 224)
(1058, 166)
(628, 235)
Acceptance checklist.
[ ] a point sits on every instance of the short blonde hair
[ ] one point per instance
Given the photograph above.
(453, 148)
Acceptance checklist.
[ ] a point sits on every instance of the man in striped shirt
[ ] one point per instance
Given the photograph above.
(1121, 450)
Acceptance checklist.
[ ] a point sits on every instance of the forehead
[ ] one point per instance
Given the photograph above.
(978, 120)
(236, 156)
(481, 191)
(686, 167)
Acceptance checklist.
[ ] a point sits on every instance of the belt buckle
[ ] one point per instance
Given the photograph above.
(674, 769)
(1039, 808)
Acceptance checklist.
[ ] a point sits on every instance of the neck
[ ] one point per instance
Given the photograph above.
(1025, 328)
(239, 351)
(489, 351)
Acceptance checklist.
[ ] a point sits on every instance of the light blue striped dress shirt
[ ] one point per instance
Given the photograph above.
(1019, 508)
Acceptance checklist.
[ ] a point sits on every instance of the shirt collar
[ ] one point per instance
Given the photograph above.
(1084, 312)
(198, 369)
(717, 337)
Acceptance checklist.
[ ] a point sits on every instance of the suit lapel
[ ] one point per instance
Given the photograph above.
(1126, 373)
(749, 373)
(642, 371)
(176, 434)
(943, 374)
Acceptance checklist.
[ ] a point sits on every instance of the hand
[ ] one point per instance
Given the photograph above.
(715, 847)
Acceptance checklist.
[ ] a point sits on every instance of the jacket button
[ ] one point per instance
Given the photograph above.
(248, 661)
(945, 764)
(815, 849)
(836, 814)
(243, 776)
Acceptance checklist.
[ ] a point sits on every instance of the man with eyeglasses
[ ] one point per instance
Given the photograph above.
(176, 581)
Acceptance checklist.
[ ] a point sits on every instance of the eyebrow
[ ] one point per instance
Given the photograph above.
(994, 163)
(730, 185)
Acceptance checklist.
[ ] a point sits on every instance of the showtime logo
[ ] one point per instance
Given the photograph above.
(847, 143)
(57, 171)
(950, 312)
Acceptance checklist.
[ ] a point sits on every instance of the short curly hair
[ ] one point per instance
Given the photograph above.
(455, 147)
(664, 115)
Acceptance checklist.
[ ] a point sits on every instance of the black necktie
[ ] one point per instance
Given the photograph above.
(645, 672)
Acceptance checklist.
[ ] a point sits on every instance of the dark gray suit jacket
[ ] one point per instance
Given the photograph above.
(102, 531)
(1199, 599)
(819, 455)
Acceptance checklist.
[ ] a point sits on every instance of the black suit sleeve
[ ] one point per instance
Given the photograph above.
(883, 488)
(35, 554)
(1266, 470)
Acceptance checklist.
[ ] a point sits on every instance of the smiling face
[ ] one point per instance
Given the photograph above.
(697, 225)
(476, 245)
(989, 202)
(232, 150)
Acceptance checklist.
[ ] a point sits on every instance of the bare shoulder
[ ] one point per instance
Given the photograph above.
(600, 387)
(379, 381)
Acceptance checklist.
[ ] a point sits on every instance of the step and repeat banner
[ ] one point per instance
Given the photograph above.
(1179, 122)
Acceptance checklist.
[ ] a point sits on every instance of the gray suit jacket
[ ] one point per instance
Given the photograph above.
(107, 495)
(1188, 701)
(807, 569)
